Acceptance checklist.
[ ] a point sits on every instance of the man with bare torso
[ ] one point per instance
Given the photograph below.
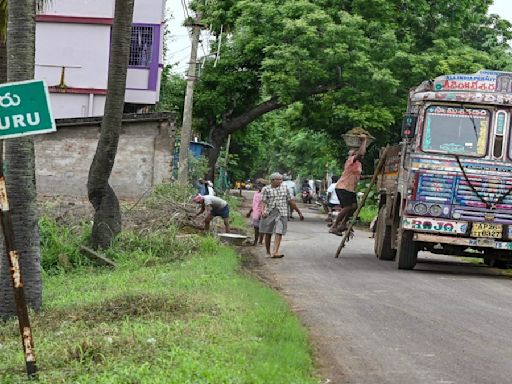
(346, 187)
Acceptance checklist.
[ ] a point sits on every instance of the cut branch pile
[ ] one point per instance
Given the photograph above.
(139, 217)
(154, 218)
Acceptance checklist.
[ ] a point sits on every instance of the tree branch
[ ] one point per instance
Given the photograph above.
(272, 104)
(248, 117)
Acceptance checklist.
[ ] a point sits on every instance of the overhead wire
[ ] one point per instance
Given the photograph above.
(179, 51)
(185, 9)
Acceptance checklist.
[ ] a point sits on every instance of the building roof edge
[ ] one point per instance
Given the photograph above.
(127, 118)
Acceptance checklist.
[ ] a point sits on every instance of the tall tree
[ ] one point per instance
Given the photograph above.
(20, 165)
(363, 55)
(3, 41)
(107, 213)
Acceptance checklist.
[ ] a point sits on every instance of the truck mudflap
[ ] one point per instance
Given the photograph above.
(464, 241)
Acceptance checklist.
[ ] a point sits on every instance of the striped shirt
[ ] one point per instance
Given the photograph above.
(276, 198)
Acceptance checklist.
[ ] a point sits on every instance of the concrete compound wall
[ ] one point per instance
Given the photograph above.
(142, 161)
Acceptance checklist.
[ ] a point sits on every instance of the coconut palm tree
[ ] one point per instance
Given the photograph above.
(107, 213)
(3, 37)
(17, 27)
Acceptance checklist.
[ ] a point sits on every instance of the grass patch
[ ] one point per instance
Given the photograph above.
(236, 219)
(175, 311)
(368, 213)
(472, 260)
(60, 245)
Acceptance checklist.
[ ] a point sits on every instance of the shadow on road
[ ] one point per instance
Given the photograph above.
(459, 268)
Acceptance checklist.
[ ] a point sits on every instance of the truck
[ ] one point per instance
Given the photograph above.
(447, 187)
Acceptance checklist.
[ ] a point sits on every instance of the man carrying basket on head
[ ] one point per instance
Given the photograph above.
(346, 187)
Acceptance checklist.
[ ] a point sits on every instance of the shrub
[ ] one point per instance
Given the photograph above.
(60, 245)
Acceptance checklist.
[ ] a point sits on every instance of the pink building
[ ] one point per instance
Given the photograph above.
(73, 49)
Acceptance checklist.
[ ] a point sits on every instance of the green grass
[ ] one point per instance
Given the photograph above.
(58, 242)
(368, 213)
(236, 219)
(175, 311)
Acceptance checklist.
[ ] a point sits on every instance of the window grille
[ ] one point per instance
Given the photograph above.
(141, 48)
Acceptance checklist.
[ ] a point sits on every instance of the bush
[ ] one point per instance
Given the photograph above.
(60, 245)
(368, 213)
(173, 192)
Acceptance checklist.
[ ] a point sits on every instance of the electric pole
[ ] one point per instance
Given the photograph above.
(186, 127)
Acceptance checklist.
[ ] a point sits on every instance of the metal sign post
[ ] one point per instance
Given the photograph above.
(24, 110)
(17, 281)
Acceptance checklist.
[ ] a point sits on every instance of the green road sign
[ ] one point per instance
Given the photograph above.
(25, 109)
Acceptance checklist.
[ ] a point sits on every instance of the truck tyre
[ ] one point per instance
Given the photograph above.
(489, 261)
(382, 244)
(407, 253)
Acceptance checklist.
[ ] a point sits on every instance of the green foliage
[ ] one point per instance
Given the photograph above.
(281, 141)
(368, 53)
(150, 247)
(373, 196)
(237, 221)
(175, 310)
(60, 245)
(170, 193)
(195, 320)
(367, 214)
(172, 93)
(198, 167)
(370, 209)
(371, 53)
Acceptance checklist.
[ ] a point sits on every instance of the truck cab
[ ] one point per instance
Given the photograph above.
(447, 187)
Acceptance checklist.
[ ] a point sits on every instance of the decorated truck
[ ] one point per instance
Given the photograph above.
(447, 187)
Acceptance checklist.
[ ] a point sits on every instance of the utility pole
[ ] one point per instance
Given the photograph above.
(186, 127)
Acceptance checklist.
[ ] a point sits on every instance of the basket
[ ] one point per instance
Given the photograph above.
(355, 141)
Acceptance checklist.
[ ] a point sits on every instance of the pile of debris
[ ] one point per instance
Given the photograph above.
(137, 216)
(147, 217)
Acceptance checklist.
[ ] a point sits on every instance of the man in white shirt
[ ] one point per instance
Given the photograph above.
(290, 184)
(214, 206)
(332, 198)
(209, 186)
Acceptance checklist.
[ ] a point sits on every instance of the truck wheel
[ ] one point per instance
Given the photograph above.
(407, 253)
(382, 244)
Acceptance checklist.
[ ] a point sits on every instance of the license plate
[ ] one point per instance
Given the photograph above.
(494, 231)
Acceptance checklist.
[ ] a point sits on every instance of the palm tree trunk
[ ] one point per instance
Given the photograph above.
(107, 216)
(20, 167)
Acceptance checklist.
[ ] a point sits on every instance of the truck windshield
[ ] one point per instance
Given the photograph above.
(456, 130)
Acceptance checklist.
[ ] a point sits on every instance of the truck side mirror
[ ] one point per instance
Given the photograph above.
(409, 125)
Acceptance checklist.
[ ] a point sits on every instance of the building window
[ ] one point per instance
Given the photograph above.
(141, 48)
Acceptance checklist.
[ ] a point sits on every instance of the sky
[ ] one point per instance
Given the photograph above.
(501, 7)
(178, 42)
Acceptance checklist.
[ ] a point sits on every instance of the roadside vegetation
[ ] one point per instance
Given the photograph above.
(178, 308)
(371, 207)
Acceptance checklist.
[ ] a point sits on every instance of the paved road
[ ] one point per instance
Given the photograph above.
(445, 322)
